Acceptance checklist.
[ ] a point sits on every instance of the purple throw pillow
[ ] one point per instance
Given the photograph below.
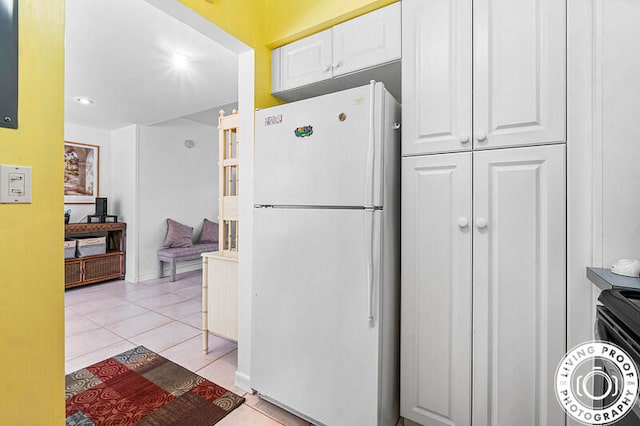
(178, 235)
(209, 234)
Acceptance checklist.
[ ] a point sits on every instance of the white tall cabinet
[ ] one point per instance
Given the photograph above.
(516, 93)
(436, 289)
(483, 229)
(519, 290)
(436, 76)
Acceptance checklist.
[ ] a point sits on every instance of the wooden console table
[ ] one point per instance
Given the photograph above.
(102, 267)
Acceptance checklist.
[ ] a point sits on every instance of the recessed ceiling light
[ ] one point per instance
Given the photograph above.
(180, 60)
(83, 100)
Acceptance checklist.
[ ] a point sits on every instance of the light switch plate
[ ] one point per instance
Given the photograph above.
(15, 184)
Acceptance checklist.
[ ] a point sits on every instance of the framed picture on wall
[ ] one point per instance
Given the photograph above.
(81, 173)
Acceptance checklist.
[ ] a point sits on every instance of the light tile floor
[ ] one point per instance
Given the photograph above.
(108, 318)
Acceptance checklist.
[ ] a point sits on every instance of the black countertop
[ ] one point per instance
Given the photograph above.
(604, 279)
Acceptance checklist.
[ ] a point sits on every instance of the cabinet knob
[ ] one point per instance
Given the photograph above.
(337, 64)
(463, 222)
(481, 223)
(326, 68)
(464, 138)
(481, 136)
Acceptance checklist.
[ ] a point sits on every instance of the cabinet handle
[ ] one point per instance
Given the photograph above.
(337, 64)
(464, 139)
(326, 68)
(481, 223)
(481, 136)
(463, 222)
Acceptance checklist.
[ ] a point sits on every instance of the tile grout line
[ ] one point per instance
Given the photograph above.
(263, 413)
(215, 360)
(121, 296)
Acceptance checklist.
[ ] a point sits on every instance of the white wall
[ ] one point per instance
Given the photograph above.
(174, 182)
(246, 85)
(620, 121)
(579, 172)
(125, 194)
(246, 66)
(603, 149)
(91, 136)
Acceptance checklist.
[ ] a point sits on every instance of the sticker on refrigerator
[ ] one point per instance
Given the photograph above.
(304, 131)
(273, 119)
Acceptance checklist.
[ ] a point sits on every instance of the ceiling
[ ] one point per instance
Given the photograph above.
(119, 54)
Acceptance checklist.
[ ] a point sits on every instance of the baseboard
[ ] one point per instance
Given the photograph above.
(148, 276)
(130, 278)
(243, 382)
(192, 265)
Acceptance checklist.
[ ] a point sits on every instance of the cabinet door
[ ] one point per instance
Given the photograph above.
(436, 76)
(222, 282)
(436, 290)
(306, 61)
(519, 285)
(519, 72)
(366, 41)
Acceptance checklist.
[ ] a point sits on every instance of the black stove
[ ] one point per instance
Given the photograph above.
(618, 322)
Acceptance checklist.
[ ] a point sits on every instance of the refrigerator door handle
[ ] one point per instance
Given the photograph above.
(369, 173)
(368, 251)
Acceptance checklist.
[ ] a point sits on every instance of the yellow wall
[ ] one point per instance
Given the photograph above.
(31, 255)
(266, 24)
(31, 266)
(287, 20)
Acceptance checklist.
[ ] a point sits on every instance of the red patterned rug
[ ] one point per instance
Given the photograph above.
(139, 387)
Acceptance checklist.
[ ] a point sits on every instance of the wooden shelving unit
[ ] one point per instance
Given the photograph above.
(229, 181)
(102, 267)
(220, 269)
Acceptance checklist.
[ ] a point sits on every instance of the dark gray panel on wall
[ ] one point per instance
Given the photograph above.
(9, 63)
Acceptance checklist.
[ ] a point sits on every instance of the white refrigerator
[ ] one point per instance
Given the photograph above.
(325, 306)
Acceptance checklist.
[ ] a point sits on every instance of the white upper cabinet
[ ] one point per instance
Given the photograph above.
(366, 41)
(517, 83)
(306, 61)
(519, 72)
(436, 76)
(371, 41)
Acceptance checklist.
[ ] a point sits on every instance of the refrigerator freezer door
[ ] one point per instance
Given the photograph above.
(317, 152)
(313, 349)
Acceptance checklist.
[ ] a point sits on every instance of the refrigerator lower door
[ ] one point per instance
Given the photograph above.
(313, 349)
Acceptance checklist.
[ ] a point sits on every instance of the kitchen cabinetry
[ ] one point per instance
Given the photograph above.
(519, 290)
(220, 268)
(436, 289)
(497, 268)
(367, 41)
(102, 267)
(302, 62)
(483, 229)
(220, 291)
(516, 91)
